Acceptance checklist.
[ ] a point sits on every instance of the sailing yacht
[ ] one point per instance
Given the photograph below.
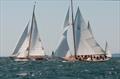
(29, 46)
(85, 47)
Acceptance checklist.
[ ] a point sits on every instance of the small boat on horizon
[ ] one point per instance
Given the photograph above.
(29, 46)
(85, 47)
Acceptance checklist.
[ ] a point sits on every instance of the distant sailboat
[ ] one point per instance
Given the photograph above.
(29, 46)
(85, 46)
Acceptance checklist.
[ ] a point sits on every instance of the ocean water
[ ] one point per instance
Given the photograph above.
(10, 69)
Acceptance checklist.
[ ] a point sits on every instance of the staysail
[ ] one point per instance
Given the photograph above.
(21, 46)
(63, 47)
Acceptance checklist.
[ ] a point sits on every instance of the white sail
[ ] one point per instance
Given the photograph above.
(84, 39)
(81, 35)
(93, 43)
(31, 43)
(77, 26)
(36, 48)
(66, 22)
(23, 52)
(63, 47)
(107, 51)
(22, 42)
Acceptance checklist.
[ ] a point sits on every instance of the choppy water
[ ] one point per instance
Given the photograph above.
(10, 69)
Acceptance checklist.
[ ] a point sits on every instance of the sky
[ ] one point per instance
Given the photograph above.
(104, 17)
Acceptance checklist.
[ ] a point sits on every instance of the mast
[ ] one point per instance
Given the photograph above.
(31, 32)
(75, 53)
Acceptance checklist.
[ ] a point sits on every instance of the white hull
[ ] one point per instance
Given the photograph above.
(42, 58)
(17, 59)
(29, 47)
(106, 59)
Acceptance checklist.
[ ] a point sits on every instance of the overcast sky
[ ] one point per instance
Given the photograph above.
(104, 17)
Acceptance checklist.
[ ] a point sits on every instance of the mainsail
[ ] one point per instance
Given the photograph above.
(81, 34)
(63, 48)
(86, 41)
(36, 48)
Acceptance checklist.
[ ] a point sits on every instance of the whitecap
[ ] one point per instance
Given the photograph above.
(22, 74)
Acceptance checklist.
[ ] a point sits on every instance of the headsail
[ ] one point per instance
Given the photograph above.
(21, 46)
(63, 47)
(93, 43)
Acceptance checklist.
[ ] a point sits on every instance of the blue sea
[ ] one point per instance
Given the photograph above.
(10, 69)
